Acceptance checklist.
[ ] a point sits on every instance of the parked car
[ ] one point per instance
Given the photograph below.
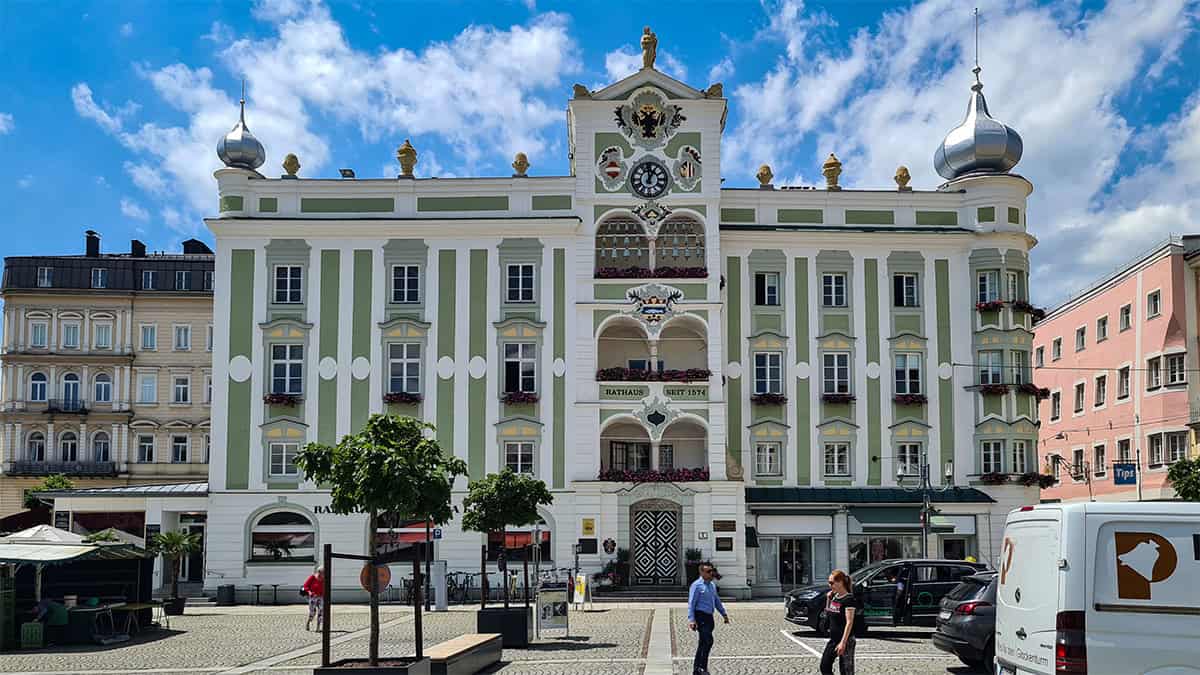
(1100, 588)
(966, 624)
(931, 580)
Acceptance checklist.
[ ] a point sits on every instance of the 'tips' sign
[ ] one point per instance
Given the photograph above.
(1124, 474)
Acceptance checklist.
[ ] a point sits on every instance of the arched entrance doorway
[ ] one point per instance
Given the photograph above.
(656, 540)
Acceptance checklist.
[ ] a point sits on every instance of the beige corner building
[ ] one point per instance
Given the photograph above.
(106, 368)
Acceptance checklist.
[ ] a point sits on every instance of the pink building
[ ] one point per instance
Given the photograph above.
(1114, 358)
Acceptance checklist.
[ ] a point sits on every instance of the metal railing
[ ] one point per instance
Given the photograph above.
(30, 468)
(70, 405)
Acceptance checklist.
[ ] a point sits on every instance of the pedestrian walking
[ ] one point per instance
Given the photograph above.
(845, 612)
(314, 588)
(703, 602)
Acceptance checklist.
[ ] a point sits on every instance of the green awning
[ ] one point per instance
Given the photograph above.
(891, 518)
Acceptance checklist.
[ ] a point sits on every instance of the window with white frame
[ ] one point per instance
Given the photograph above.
(38, 332)
(208, 280)
(1013, 281)
(37, 387)
(1176, 446)
(908, 373)
(520, 282)
(208, 388)
(1080, 396)
(1077, 468)
(1100, 395)
(836, 373)
(149, 337)
(1056, 349)
(404, 368)
(991, 368)
(99, 277)
(179, 449)
(1125, 317)
(282, 460)
(1018, 366)
(183, 280)
(1124, 453)
(1176, 373)
(518, 456)
(45, 277)
(768, 373)
(1080, 338)
(147, 388)
(35, 447)
(837, 459)
(1099, 460)
(1123, 383)
(148, 279)
(145, 449)
(1019, 457)
(208, 337)
(1055, 405)
(70, 335)
(520, 367)
(766, 459)
(182, 390)
(288, 280)
(833, 289)
(1153, 304)
(1155, 442)
(988, 286)
(1102, 329)
(905, 290)
(1154, 372)
(908, 459)
(991, 456)
(287, 369)
(1039, 356)
(406, 284)
(102, 336)
(101, 448)
(102, 389)
(68, 445)
(183, 338)
(766, 289)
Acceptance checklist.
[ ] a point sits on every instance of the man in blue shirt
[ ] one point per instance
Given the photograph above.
(702, 602)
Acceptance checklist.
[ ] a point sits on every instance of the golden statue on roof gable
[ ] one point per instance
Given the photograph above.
(649, 47)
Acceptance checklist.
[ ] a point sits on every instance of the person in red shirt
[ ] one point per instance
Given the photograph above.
(314, 588)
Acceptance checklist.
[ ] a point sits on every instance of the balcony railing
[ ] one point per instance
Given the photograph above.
(653, 476)
(27, 468)
(68, 405)
(661, 272)
(619, 374)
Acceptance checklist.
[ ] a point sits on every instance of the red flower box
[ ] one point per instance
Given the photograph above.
(290, 400)
(910, 399)
(402, 397)
(768, 399)
(1031, 478)
(652, 476)
(1033, 390)
(994, 478)
(620, 374)
(993, 389)
(647, 273)
(837, 398)
(519, 397)
(990, 306)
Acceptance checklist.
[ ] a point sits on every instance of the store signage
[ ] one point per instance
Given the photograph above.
(589, 527)
(437, 533)
(691, 392)
(724, 526)
(62, 520)
(1124, 473)
(626, 392)
(724, 543)
(552, 610)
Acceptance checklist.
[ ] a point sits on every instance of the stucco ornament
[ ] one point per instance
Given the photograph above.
(327, 368)
(520, 165)
(831, 169)
(647, 119)
(291, 164)
(407, 156)
(764, 176)
(653, 306)
(716, 90)
(612, 168)
(649, 47)
(687, 169)
(656, 414)
(651, 214)
(240, 368)
(580, 91)
(360, 368)
(902, 178)
(477, 367)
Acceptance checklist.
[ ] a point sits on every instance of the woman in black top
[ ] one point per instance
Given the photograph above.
(844, 610)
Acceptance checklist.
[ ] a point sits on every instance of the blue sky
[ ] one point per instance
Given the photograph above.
(109, 112)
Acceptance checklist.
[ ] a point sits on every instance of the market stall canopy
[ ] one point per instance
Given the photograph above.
(46, 545)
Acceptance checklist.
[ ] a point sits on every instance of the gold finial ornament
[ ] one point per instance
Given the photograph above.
(902, 177)
(715, 91)
(764, 177)
(407, 156)
(649, 47)
(831, 169)
(291, 164)
(520, 165)
(581, 91)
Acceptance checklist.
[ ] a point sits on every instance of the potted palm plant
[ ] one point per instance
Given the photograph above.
(173, 546)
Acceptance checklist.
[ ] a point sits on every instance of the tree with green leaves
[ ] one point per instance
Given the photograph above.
(393, 465)
(52, 483)
(502, 499)
(173, 546)
(1184, 476)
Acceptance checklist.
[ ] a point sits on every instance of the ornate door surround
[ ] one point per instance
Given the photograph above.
(656, 542)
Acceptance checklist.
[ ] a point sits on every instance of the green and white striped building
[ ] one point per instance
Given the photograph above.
(739, 371)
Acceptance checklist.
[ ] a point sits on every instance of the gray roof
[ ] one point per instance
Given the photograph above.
(169, 490)
(860, 495)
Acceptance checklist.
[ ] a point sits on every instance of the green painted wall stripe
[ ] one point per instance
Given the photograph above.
(801, 216)
(803, 412)
(560, 382)
(477, 346)
(347, 204)
(861, 217)
(986, 214)
(360, 338)
(733, 333)
(447, 303)
(737, 215)
(491, 203)
(551, 202)
(941, 269)
(331, 266)
(231, 203)
(937, 217)
(874, 442)
(268, 204)
(241, 335)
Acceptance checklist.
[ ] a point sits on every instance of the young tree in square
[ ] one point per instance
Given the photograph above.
(502, 499)
(1184, 476)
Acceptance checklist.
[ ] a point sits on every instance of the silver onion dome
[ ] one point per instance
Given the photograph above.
(239, 148)
(980, 144)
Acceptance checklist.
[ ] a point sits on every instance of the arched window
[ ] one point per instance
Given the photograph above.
(103, 393)
(100, 447)
(70, 391)
(35, 447)
(68, 444)
(37, 387)
(680, 244)
(622, 249)
(283, 536)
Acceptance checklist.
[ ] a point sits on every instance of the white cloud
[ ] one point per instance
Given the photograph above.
(85, 106)
(131, 209)
(126, 30)
(24, 182)
(6, 123)
(721, 70)
(218, 33)
(627, 60)
(102, 181)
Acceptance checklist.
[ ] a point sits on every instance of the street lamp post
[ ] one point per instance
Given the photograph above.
(927, 489)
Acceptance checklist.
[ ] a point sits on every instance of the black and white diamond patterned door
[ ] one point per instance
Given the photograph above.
(655, 547)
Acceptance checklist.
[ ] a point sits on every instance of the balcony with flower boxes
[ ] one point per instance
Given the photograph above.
(632, 366)
(629, 455)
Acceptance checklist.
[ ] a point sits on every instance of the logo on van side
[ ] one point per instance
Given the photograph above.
(1006, 553)
(1143, 558)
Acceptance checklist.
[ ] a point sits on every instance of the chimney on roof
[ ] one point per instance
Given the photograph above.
(92, 245)
(196, 247)
(137, 249)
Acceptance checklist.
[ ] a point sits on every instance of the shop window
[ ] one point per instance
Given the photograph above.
(516, 542)
(867, 549)
(283, 536)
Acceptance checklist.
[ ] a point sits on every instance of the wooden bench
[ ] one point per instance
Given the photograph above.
(465, 654)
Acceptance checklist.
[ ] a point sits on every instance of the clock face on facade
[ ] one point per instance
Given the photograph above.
(649, 180)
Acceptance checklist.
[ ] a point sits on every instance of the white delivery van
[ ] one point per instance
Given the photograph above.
(1100, 589)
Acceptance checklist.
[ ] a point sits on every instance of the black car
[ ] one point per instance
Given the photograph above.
(927, 581)
(966, 625)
